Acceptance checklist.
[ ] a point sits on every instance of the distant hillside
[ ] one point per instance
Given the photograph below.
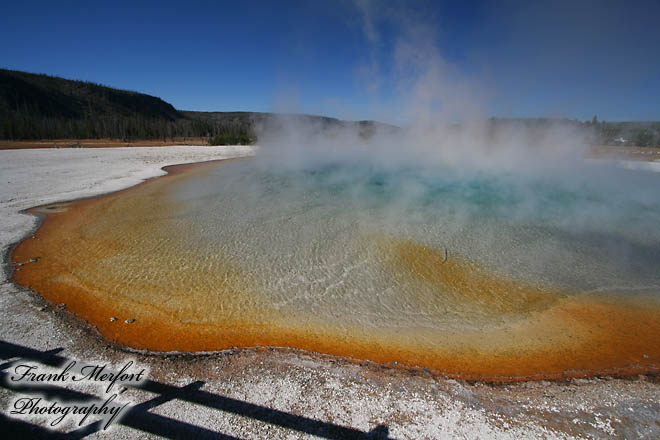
(34, 106)
(42, 107)
(258, 122)
(48, 96)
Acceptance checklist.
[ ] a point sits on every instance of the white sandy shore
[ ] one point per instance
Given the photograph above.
(634, 165)
(317, 387)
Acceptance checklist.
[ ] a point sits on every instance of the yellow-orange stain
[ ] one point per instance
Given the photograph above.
(112, 257)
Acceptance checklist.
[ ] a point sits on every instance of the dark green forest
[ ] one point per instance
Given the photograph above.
(37, 106)
(638, 134)
(45, 107)
(632, 134)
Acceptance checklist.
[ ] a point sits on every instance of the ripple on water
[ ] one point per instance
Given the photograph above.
(234, 255)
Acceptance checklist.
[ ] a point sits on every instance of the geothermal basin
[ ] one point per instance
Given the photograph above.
(473, 273)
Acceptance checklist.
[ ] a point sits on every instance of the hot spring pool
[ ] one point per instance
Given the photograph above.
(471, 272)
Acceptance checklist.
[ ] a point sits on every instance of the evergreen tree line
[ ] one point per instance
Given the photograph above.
(34, 106)
(17, 127)
(634, 134)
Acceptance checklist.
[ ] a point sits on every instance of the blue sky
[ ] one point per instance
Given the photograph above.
(384, 60)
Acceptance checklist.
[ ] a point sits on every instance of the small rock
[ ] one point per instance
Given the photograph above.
(61, 305)
(130, 321)
(35, 259)
(646, 356)
(19, 264)
(113, 319)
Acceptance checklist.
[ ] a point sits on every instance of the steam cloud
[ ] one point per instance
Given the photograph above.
(441, 112)
(445, 131)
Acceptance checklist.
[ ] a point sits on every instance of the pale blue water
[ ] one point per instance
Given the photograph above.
(306, 235)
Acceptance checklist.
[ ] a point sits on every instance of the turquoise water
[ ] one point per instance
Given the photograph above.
(308, 235)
